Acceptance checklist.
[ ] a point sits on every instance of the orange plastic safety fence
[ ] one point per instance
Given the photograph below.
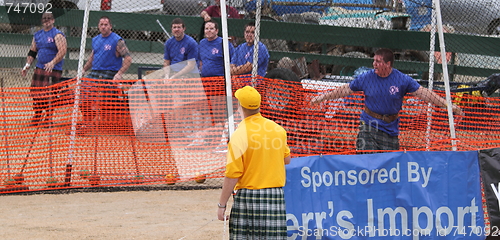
(176, 131)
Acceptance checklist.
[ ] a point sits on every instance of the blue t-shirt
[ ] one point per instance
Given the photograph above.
(105, 52)
(384, 96)
(46, 47)
(211, 56)
(179, 52)
(244, 54)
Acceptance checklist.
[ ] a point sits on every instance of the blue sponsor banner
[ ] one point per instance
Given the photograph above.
(412, 195)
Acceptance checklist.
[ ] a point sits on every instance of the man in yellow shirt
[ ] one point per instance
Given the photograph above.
(255, 171)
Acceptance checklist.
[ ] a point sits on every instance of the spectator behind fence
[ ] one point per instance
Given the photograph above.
(180, 54)
(50, 45)
(255, 170)
(211, 61)
(384, 88)
(110, 58)
(437, 54)
(210, 52)
(214, 11)
(242, 59)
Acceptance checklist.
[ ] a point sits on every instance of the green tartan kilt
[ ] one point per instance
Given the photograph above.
(258, 215)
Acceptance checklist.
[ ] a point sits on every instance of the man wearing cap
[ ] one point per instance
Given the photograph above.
(255, 171)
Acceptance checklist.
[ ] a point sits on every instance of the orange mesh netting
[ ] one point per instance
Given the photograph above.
(156, 132)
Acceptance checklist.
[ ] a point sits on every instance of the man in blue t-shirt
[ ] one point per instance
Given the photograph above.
(211, 64)
(49, 44)
(384, 88)
(180, 54)
(242, 59)
(210, 52)
(110, 58)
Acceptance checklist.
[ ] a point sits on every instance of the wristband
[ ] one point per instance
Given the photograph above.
(220, 206)
(26, 66)
(32, 53)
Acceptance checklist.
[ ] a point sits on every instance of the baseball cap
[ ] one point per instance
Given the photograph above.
(249, 97)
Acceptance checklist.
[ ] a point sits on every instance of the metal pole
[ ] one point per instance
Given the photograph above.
(432, 47)
(445, 75)
(74, 115)
(227, 69)
(164, 30)
(255, 64)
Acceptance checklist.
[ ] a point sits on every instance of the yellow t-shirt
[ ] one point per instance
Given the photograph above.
(256, 154)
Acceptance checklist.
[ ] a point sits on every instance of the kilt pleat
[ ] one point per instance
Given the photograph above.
(258, 215)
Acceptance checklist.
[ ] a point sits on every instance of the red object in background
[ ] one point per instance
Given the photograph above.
(419, 122)
(105, 4)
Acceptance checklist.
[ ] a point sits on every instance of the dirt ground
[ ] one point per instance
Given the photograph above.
(159, 214)
(169, 214)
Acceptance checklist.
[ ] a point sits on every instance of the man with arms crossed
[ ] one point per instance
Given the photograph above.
(255, 169)
(242, 59)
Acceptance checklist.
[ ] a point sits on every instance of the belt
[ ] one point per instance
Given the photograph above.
(53, 70)
(385, 117)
